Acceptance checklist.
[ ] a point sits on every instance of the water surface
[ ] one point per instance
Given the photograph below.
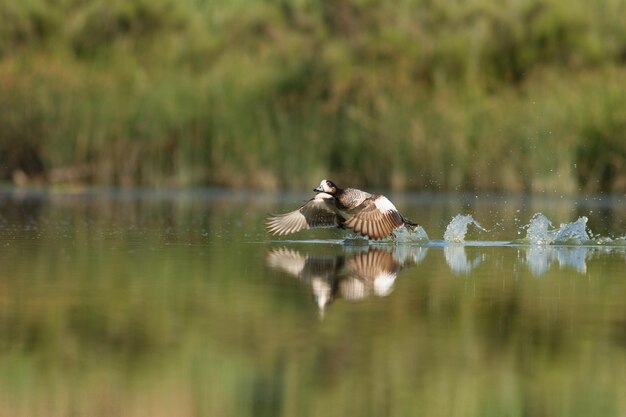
(161, 303)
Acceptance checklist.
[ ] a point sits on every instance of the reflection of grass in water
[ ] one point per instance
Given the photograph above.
(441, 96)
(205, 330)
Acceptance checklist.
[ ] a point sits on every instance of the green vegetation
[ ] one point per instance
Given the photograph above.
(416, 94)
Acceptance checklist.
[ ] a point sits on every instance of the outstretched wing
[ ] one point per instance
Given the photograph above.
(377, 268)
(372, 264)
(287, 260)
(304, 267)
(377, 220)
(317, 212)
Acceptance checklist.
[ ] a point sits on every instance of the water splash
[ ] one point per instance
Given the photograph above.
(575, 232)
(457, 229)
(403, 234)
(408, 234)
(540, 231)
(609, 241)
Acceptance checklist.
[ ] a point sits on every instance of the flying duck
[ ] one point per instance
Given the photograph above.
(370, 215)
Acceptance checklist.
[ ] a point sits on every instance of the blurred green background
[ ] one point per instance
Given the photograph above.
(510, 95)
(143, 304)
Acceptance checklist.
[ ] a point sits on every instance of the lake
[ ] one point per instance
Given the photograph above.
(177, 303)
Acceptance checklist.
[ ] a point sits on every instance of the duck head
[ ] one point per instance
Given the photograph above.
(326, 186)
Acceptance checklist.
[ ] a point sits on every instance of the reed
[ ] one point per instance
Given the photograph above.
(423, 95)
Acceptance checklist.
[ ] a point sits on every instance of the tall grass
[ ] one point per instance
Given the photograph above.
(445, 95)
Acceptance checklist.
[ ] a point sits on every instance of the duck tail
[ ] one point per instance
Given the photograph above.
(408, 222)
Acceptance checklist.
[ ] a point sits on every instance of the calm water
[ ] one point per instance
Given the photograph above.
(150, 303)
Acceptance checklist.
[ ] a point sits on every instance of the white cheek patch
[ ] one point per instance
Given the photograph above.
(384, 205)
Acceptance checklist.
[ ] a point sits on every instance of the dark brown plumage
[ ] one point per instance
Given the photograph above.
(373, 216)
(353, 277)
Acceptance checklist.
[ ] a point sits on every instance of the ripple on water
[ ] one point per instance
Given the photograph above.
(539, 232)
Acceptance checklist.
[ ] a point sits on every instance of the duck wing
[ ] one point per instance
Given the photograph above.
(287, 260)
(320, 211)
(377, 268)
(377, 219)
(305, 267)
(373, 263)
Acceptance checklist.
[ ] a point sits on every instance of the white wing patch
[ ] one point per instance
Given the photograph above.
(384, 205)
(377, 219)
(383, 283)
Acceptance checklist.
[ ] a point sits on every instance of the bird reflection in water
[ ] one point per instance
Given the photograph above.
(351, 276)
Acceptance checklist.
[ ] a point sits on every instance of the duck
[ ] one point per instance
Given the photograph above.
(371, 215)
(352, 277)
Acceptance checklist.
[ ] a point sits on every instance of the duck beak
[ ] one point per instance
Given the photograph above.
(318, 189)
